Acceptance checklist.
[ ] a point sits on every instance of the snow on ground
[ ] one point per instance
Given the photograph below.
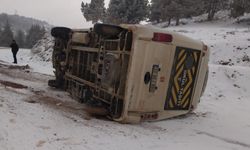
(26, 57)
(38, 117)
(228, 44)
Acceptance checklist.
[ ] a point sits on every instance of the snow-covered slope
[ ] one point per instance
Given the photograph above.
(229, 45)
(220, 18)
(39, 117)
(42, 50)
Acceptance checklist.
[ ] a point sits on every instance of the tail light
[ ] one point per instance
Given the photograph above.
(162, 37)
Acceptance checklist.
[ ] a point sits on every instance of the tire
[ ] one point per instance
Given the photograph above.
(52, 83)
(61, 32)
(107, 30)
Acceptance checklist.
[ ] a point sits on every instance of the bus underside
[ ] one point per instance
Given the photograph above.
(93, 69)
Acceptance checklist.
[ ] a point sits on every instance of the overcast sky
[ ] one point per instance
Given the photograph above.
(57, 12)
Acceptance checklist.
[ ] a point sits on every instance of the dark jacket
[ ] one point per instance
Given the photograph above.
(14, 47)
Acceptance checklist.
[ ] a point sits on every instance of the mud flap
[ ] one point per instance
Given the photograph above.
(116, 108)
(182, 80)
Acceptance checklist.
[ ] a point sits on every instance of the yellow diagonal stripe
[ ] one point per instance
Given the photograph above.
(174, 96)
(189, 82)
(185, 97)
(171, 105)
(181, 62)
(176, 78)
(181, 53)
(195, 57)
(186, 103)
(193, 69)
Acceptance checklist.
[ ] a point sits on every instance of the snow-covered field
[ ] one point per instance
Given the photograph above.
(38, 117)
(26, 57)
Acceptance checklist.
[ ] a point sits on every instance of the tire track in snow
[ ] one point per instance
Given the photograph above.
(230, 141)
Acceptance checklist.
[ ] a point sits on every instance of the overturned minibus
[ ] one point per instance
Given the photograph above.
(134, 72)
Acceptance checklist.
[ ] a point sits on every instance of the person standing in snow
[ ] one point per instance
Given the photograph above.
(14, 49)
